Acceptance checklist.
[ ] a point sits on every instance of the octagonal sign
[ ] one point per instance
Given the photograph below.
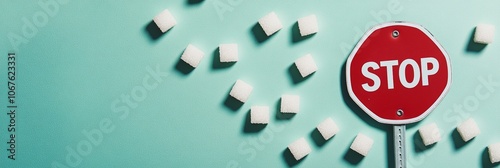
(398, 73)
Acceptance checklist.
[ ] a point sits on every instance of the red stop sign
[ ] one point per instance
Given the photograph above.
(398, 73)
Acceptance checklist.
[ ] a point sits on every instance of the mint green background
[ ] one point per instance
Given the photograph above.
(92, 52)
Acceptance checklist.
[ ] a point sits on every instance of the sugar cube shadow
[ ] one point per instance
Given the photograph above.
(295, 76)
(248, 127)
(485, 160)
(296, 36)
(183, 67)
(258, 34)
(232, 103)
(318, 139)
(194, 2)
(418, 143)
(216, 64)
(473, 46)
(280, 115)
(153, 31)
(352, 157)
(458, 142)
(289, 159)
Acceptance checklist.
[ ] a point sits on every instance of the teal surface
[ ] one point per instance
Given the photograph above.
(96, 68)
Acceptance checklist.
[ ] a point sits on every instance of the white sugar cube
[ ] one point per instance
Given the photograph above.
(290, 103)
(241, 91)
(362, 144)
(308, 25)
(192, 55)
(430, 134)
(494, 151)
(164, 20)
(306, 65)
(299, 149)
(484, 34)
(468, 129)
(228, 52)
(270, 23)
(327, 128)
(259, 114)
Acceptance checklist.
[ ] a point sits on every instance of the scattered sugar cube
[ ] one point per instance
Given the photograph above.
(484, 33)
(241, 91)
(299, 149)
(259, 114)
(270, 23)
(327, 128)
(468, 129)
(494, 151)
(430, 134)
(290, 103)
(308, 25)
(164, 20)
(192, 55)
(306, 65)
(362, 144)
(228, 52)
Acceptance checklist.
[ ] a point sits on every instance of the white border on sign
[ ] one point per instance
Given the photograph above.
(368, 111)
